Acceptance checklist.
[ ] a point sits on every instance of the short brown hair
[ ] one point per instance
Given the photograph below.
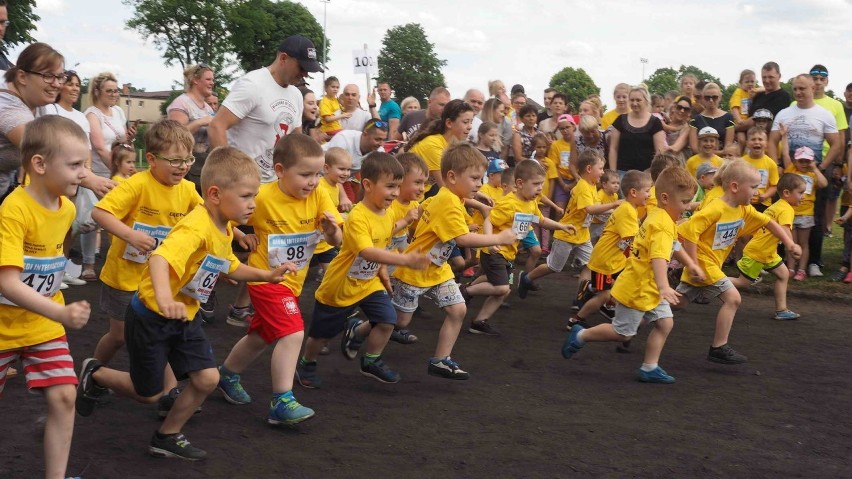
(635, 180)
(378, 164)
(528, 169)
(755, 130)
(588, 158)
(226, 166)
(36, 57)
(733, 170)
(460, 157)
(292, 148)
(411, 161)
(165, 134)
(46, 136)
(674, 180)
(662, 161)
(789, 182)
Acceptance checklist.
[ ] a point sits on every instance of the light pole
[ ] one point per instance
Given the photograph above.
(324, 36)
(644, 62)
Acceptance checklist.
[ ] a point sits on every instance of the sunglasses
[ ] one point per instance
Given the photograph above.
(819, 73)
(382, 125)
(682, 108)
(711, 97)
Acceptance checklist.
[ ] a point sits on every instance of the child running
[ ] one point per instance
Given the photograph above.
(336, 172)
(708, 237)
(761, 253)
(291, 217)
(36, 222)
(642, 291)
(608, 193)
(161, 325)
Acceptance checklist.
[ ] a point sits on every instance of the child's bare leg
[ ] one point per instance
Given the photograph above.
(120, 382)
(725, 319)
(539, 271)
(378, 338)
(58, 429)
(492, 302)
(403, 319)
(312, 348)
(285, 356)
(242, 300)
(449, 332)
(604, 332)
(247, 349)
(657, 339)
(783, 276)
(593, 304)
(802, 237)
(201, 384)
(110, 342)
(532, 258)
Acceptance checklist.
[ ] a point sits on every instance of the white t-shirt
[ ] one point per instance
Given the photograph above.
(112, 128)
(267, 112)
(474, 130)
(806, 127)
(349, 140)
(76, 116)
(188, 107)
(357, 121)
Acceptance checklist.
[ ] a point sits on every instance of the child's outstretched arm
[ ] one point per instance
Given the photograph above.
(599, 208)
(474, 240)
(74, 315)
(550, 224)
(786, 237)
(409, 260)
(114, 226)
(661, 277)
(330, 229)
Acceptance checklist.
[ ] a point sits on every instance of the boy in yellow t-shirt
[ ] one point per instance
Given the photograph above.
(336, 171)
(805, 166)
(660, 162)
(36, 222)
(708, 141)
(516, 212)
(708, 237)
(292, 218)
(642, 290)
(607, 193)
(582, 205)
(357, 279)
(139, 213)
(160, 323)
(609, 255)
(442, 226)
(766, 167)
(761, 253)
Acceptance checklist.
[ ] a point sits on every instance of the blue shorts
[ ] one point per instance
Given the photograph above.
(456, 252)
(329, 321)
(325, 257)
(530, 241)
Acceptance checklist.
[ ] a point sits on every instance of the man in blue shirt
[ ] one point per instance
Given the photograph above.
(389, 111)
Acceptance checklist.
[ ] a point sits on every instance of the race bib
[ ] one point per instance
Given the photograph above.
(440, 253)
(745, 106)
(296, 248)
(809, 184)
(44, 275)
(363, 269)
(565, 159)
(726, 234)
(522, 223)
(202, 284)
(157, 232)
(764, 178)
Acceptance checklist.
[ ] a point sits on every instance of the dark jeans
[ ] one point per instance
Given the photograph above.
(818, 231)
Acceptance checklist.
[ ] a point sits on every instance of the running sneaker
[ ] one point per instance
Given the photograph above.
(447, 368)
(814, 271)
(800, 275)
(574, 320)
(350, 343)
(786, 315)
(524, 284)
(465, 295)
(607, 313)
(840, 275)
(232, 389)
(175, 445)
(287, 411)
(87, 390)
(379, 371)
(571, 346)
(483, 327)
(208, 310)
(725, 354)
(240, 316)
(306, 374)
(73, 281)
(403, 336)
(657, 375)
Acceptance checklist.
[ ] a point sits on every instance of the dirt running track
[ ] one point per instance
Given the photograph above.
(525, 412)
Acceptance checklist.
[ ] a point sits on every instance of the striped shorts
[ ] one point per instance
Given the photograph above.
(46, 364)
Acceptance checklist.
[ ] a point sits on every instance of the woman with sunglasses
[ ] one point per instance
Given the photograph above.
(192, 110)
(107, 121)
(714, 117)
(677, 128)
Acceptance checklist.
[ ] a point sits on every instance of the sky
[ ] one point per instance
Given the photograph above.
(516, 41)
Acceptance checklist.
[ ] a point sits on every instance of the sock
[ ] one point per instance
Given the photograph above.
(648, 367)
(283, 397)
(161, 435)
(304, 362)
(579, 338)
(225, 371)
(576, 319)
(371, 358)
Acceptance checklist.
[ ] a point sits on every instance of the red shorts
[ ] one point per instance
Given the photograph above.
(603, 282)
(277, 312)
(45, 365)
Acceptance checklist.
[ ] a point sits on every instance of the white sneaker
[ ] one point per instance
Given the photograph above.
(70, 280)
(814, 271)
(64, 286)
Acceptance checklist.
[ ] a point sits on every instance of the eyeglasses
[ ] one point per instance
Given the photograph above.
(563, 128)
(819, 73)
(177, 162)
(49, 78)
(113, 92)
(711, 97)
(682, 108)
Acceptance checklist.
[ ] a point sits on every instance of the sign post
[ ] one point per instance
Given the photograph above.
(364, 61)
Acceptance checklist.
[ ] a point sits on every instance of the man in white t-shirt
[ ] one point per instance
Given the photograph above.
(476, 100)
(351, 103)
(360, 144)
(265, 105)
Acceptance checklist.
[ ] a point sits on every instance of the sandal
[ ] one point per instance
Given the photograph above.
(89, 275)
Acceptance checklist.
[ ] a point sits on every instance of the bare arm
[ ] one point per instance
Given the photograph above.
(772, 145)
(730, 134)
(614, 137)
(835, 149)
(16, 135)
(219, 126)
(475, 240)
(599, 208)
(693, 139)
(97, 138)
(517, 150)
(113, 225)
(383, 256)
(681, 141)
(74, 315)
(193, 126)
(659, 141)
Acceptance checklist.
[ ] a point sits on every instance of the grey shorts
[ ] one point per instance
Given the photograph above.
(406, 296)
(628, 320)
(691, 292)
(561, 251)
(804, 221)
(595, 231)
(114, 302)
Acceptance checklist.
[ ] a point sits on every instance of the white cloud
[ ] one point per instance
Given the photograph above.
(50, 7)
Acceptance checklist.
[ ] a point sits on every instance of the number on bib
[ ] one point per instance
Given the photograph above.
(362, 269)
(726, 234)
(521, 224)
(159, 233)
(204, 280)
(44, 275)
(440, 253)
(296, 248)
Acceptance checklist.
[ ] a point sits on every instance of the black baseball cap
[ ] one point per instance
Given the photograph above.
(303, 50)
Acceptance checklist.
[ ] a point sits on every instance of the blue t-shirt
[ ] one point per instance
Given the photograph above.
(390, 109)
(490, 154)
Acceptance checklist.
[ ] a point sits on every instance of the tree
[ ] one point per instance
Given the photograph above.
(21, 23)
(662, 81)
(408, 62)
(257, 27)
(726, 96)
(576, 84)
(188, 31)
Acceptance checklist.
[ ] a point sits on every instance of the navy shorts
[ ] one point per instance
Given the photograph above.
(329, 321)
(153, 341)
(325, 257)
(455, 253)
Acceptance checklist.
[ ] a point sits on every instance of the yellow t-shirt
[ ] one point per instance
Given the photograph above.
(288, 231)
(559, 155)
(31, 240)
(442, 221)
(142, 203)
(740, 98)
(329, 107)
(119, 179)
(551, 172)
(583, 195)
(400, 240)
(768, 170)
(430, 149)
(604, 199)
(517, 214)
(609, 253)
(806, 206)
(351, 278)
(695, 161)
(714, 229)
(636, 287)
(197, 252)
(763, 247)
(493, 192)
(609, 118)
(650, 204)
(333, 194)
(715, 193)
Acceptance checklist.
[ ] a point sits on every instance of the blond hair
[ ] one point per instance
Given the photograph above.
(674, 180)
(47, 136)
(97, 84)
(226, 166)
(335, 155)
(193, 72)
(731, 171)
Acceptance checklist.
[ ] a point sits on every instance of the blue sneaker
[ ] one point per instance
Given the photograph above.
(287, 411)
(232, 389)
(351, 343)
(571, 346)
(786, 315)
(658, 375)
(379, 371)
(524, 285)
(306, 374)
